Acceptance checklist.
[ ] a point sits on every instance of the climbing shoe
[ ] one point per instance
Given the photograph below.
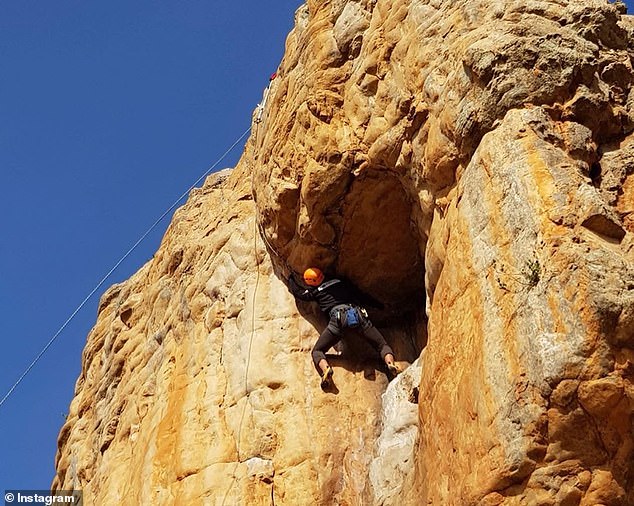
(394, 369)
(326, 378)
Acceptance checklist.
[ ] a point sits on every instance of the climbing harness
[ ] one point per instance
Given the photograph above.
(349, 316)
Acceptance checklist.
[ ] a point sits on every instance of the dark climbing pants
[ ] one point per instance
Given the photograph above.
(334, 332)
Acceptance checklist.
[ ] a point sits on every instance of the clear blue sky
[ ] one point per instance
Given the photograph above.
(108, 112)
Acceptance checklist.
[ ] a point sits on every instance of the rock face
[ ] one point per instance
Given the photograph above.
(197, 386)
(469, 164)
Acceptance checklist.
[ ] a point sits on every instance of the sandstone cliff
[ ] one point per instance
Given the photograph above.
(469, 164)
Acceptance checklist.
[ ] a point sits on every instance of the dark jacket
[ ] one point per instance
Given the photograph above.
(331, 293)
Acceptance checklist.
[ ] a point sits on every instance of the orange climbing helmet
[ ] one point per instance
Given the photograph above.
(313, 276)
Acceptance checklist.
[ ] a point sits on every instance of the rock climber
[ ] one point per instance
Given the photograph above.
(339, 300)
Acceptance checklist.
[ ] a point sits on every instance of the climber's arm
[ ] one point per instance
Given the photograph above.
(299, 291)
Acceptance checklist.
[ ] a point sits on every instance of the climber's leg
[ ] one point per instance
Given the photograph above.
(377, 340)
(326, 375)
(329, 337)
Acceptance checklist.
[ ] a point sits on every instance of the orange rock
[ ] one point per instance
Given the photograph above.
(469, 164)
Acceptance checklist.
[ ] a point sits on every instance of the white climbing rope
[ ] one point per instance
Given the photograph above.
(126, 255)
(256, 229)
